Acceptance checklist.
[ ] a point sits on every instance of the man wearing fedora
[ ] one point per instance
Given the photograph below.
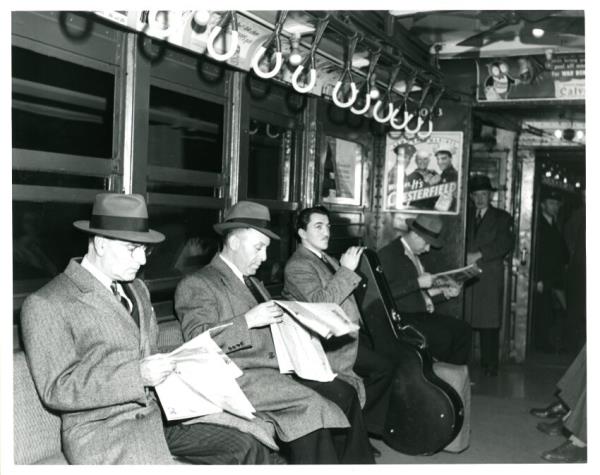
(316, 422)
(449, 339)
(489, 241)
(90, 337)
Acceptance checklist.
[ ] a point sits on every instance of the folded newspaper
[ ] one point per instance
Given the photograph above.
(459, 275)
(204, 382)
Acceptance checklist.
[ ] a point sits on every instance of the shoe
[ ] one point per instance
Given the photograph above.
(376, 452)
(566, 453)
(551, 428)
(556, 409)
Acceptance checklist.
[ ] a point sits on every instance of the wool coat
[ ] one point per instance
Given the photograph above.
(83, 349)
(307, 279)
(214, 296)
(494, 239)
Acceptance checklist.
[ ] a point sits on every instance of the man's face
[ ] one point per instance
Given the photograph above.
(422, 160)
(417, 244)
(121, 260)
(551, 207)
(317, 233)
(481, 198)
(249, 249)
(444, 160)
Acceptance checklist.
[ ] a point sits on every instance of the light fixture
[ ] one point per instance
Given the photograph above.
(537, 32)
(548, 173)
(558, 133)
(577, 185)
(549, 53)
(579, 135)
(201, 17)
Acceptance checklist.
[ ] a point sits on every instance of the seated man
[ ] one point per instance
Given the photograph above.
(449, 338)
(90, 335)
(311, 418)
(313, 276)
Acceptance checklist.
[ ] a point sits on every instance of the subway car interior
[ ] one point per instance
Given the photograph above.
(197, 111)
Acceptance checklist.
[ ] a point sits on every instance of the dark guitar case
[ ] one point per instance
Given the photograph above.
(425, 412)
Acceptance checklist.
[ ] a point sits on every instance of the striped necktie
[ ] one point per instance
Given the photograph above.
(121, 298)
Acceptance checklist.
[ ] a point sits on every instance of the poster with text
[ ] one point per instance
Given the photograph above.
(423, 176)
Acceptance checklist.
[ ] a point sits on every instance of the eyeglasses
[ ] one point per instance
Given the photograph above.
(133, 248)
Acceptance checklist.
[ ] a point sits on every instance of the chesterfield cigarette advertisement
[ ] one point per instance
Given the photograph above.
(423, 176)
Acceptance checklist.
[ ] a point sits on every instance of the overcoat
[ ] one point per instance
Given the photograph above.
(494, 239)
(215, 296)
(307, 279)
(83, 349)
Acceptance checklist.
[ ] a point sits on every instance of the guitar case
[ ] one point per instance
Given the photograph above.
(425, 413)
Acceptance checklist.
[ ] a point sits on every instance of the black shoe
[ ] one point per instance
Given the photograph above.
(551, 428)
(566, 453)
(556, 409)
(375, 451)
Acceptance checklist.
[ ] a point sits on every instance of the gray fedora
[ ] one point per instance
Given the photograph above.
(247, 214)
(120, 216)
(429, 227)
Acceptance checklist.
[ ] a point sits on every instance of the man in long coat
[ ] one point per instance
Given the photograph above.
(489, 241)
(90, 336)
(303, 413)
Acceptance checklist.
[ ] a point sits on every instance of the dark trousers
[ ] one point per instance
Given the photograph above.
(209, 444)
(350, 445)
(489, 342)
(377, 373)
(448, 338)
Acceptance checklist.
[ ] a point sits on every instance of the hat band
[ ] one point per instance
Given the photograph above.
(119, 223)
(261, 223)
(417, 227)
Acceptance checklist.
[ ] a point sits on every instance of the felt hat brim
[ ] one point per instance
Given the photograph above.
(149, 237)
(222, 228)
(433, 240)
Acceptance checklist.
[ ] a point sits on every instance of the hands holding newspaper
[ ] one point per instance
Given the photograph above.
(156, 368)
(264, 314)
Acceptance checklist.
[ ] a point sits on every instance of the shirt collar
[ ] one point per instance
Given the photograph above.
(481, 212)
(97, 273)
(233, 267)
(316, 253)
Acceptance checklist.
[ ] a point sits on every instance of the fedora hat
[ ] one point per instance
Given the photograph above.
(429, 227)
(550, 194)
(480, 182)
(120, 216)
(247, 214)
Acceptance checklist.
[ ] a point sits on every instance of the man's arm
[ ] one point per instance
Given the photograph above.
(71, 377)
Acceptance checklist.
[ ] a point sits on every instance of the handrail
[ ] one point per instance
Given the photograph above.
(227, 18)
(410, 83)
(387, 96)
(427, 113)
(351, 46)
(373, 60)
(274, 38)
(310, 59)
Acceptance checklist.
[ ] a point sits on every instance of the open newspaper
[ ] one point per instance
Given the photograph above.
(299, 349)
(459, 275)
(204, 382)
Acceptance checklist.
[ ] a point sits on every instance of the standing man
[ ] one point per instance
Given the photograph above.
(90, 336)
(318, 422)
(489, 241)
(311, 275)
(449, 339)
(551, 258)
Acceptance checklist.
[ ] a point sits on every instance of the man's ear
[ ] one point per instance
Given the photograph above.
(99, 244)
(302, 233)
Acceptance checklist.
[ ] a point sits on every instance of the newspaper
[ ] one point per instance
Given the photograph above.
(204, 382)
(459, 275)
(325, 319)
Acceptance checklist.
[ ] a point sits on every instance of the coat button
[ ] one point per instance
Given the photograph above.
(139, 416)
(271, 355)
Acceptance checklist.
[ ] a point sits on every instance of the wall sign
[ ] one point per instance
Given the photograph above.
(342, 174)
(423, 176)
(527, 78)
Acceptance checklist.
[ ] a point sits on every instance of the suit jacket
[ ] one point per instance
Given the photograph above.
(215, 296)
(494, 239)
(83, 350)
(307, 279)
(551, 255)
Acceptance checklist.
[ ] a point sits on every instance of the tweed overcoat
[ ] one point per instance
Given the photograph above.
(83, 350)
(215, 296)
(307, 279)
(494, 239)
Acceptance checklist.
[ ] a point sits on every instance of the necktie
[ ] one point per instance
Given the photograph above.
(120, 298)
(256, 292)
(328, 264)
(478, 219)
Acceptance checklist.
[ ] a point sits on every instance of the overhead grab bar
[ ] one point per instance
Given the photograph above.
(420, 119)
(230, 18)
(310, 59)
(410, 84)
(274, 38)
(367, 85)
(428, 113)
(387, 96)
(351, 46)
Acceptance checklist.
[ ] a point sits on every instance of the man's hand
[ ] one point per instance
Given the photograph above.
(425, 280)
(451, 290)
(473, 257)
(351, 257)
(156, 368)
(264, 314)
(539, 287)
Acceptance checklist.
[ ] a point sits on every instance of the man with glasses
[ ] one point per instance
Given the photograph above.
(90, 337)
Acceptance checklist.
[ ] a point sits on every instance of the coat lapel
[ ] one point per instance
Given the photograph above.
(234, 285)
